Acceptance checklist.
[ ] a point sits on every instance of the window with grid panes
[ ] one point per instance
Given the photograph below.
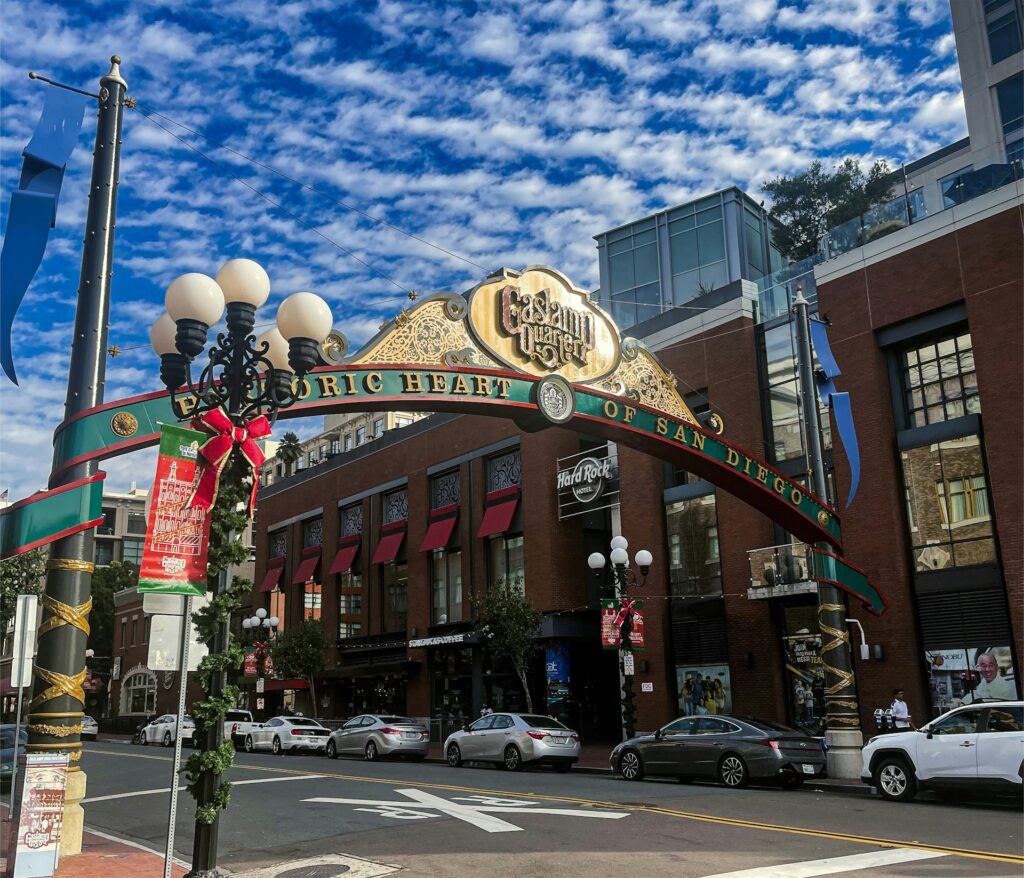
(633, 274)
(939, 381)
(697, 249)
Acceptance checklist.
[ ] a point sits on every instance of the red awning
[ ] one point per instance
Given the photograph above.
(278, 685)
(344, 558)
(390, 543)
(439, 531)
(270, 580)
(306, 568)
(498, 517)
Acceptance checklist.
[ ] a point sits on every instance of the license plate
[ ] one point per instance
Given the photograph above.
(411, 736)
(558, 740)
(808, 769)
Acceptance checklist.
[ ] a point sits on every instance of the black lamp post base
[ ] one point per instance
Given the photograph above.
(302, 354)
(190, 338)
(241, 318)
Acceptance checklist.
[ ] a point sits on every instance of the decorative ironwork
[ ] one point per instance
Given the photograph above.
(65, 614)
(278, 544)
(60, 684)
(396, 507)
(124, 424)
(352, 520)
(504, 471)
(444, 490)
(313, 533)
(642, 378)
(70, 564)
(54, 731)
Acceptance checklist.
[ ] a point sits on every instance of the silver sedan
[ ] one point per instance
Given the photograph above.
(511, 740)
(375, 735)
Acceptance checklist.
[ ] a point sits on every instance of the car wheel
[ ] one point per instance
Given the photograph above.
(894, 780)
(791, 782)
(332, 750)
(370, 752)
(454, 755)
(631, 766)
(513, 759)
(276, 746)
(732, 771)
(143, 740)
(249, 747)
(167, 739)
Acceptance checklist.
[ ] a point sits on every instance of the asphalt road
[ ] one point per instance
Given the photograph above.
(434, 820)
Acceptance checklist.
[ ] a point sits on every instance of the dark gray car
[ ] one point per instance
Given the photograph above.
(730, 749)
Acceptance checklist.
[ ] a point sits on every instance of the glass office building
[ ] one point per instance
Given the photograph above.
(682, 253)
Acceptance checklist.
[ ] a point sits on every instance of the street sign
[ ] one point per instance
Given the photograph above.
(260, 685)
(157, 603)
(165, 637)
(26, 621)
(628, 664)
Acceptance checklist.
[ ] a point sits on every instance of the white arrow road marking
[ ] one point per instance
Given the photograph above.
(834, 865)
(477, 814)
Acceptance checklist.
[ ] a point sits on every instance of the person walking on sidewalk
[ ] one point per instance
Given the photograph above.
(900, 711)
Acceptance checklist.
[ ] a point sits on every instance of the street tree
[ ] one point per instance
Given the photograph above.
(106, 582)
(290, 450)
(20, 574)
(299, 652)
(510, 625)
(807, 205)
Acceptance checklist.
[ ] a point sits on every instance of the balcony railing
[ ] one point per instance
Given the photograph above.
(777, 290)
(777, 571)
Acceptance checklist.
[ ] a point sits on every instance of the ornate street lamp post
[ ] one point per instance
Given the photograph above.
(238, 393)
(621, 577)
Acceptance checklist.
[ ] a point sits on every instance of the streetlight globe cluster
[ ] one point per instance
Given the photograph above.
(620, 557)
(260, 620)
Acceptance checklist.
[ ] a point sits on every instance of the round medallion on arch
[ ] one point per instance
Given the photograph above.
(555, 398)
(124, 424)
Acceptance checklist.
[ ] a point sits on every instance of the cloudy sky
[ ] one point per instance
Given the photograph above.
(506, 134)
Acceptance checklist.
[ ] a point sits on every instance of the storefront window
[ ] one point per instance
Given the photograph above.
(805, 674)
(446, 586)
(395, 597)
(139, 694)
(131, 551)
(964, 675)
(507, 560)
(694, 565)
(311, 601)
(949, 520)
(703, 689)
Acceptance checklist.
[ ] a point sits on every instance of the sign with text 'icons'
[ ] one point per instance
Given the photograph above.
(540, 324)
(177, 535)
(588, 481)
(610, 610)
(39, 814)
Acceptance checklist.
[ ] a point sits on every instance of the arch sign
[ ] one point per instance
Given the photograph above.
(522, 345)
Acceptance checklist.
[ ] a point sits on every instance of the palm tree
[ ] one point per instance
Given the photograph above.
(289, 451)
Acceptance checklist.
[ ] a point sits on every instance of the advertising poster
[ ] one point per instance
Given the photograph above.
(250, 667)
(40, 814)
(177, 535)
(964, 675)
(556, 668)
(703, 689)
(610, 631)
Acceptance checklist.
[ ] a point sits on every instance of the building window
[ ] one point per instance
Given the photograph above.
(360, 435)
(135, 630)
(139, 694)
(697, 249)
(352, 520)
(378, 428)
(136, 523)
(446, 586)
(395, 597)
(278, 544)
(350, 604)
(1002, 22)
(1010, 96)
(311, 600)
(939, 382)
(402, 422)
(753, 233)
(348, 441)
(109, 522)
(396, 507)
(312, 533)
(949, 185)
(350, 597)
(103, 553)
(444, 490)
(312, 458)
(949, 520)
(124, 633)
(146, 620)
(504, 471)
(349, 629)
(695, 568)
(633, 274)
(507, 561)
(131, 551)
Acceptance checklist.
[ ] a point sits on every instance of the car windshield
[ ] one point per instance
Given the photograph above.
(541, 722)
(764, 725)
(7, 736)
(397, 720)
(302, 721)
(88, 719)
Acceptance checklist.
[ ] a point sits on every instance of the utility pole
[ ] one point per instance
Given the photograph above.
(58, 699)
(842, 716)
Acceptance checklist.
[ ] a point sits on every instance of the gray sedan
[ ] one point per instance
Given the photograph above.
(733, 750)
(511, 740)
(375, 735)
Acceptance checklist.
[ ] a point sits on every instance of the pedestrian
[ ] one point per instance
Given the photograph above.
(900, 711)
(809, 704)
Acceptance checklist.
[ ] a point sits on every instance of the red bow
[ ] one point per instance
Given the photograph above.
(627, 610)
(217, 449)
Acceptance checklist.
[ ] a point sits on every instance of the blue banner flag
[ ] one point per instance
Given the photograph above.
(838, 403)
(34, 206)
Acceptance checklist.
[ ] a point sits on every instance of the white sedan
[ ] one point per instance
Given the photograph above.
(163, 730)
(285, 733)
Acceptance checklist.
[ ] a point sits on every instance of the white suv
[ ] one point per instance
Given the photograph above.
(975, 748)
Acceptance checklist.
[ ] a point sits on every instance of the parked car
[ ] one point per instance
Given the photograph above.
(90, 728)
(282, 734)
(731, 749)
(512, 740)
(377, 735)
(163, 730)
(237, 724)
(9, 753)
(976, 748)
(138, 737)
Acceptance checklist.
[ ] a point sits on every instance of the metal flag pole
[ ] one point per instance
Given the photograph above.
(172, 812)
(56, 709)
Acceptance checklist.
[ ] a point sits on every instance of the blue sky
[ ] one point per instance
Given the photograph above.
(507, 133)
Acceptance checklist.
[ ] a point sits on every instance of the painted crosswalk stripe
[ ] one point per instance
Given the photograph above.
(234, 783)
(833, 865)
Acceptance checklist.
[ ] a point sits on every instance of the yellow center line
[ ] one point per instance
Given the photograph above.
(647, 809)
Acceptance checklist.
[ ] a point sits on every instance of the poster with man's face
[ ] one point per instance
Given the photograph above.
(968, 675)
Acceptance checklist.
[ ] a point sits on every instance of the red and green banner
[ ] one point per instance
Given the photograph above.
(251, 665)
(49, 515)
(612, 612)
(829, 568)
(178, 534)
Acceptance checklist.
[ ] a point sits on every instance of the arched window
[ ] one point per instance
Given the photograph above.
(138, 694)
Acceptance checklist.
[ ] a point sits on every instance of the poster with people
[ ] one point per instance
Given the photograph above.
(703, 690)
(966, 675)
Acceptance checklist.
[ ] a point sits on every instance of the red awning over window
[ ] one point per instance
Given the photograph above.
(273, 575)
(345, 557)
(439, 531)
(390, 543)
(501, 507)
(306, 567)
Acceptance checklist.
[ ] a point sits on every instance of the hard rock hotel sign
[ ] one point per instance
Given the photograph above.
(522, 345)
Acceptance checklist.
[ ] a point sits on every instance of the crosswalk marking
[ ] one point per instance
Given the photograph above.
(833, 865)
